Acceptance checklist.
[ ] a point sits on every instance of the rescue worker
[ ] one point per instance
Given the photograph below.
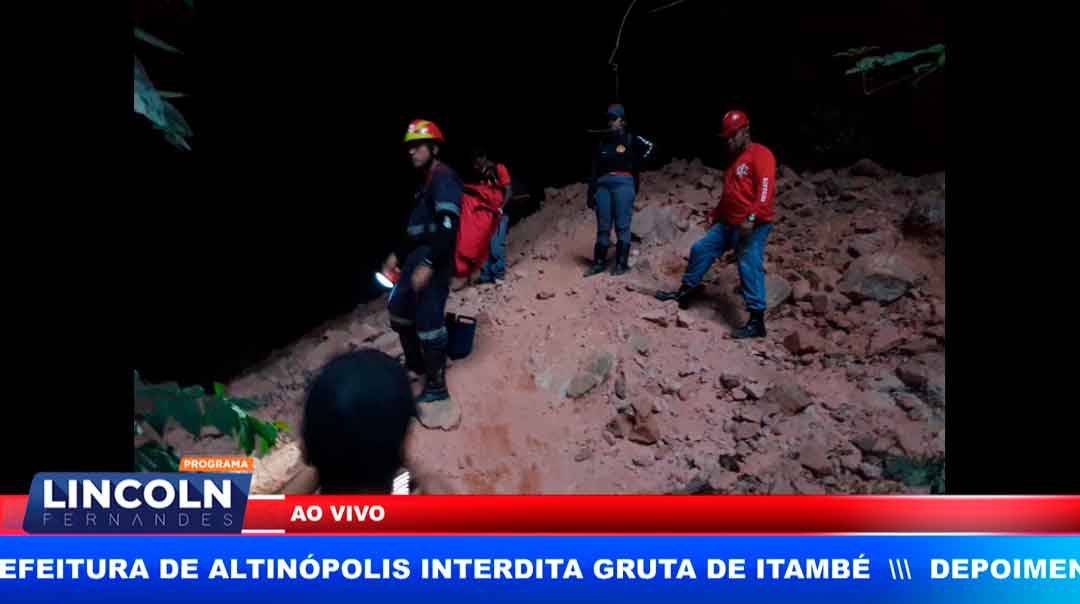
(741, 221)
(612, 188)
(495, 175)
(426, 260)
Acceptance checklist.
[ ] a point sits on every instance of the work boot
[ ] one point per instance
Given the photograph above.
(683, 296)
(435, 388)
(599, 260)
(754, 328)
(622, 258)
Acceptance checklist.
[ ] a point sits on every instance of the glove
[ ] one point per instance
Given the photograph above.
(591, 199)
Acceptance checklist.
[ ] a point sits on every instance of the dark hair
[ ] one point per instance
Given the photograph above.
(355, 420)
(477, 153)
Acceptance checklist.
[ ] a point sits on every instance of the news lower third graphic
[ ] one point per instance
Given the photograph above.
(199, 534)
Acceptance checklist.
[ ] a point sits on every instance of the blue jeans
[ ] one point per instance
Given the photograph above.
(495, 268)
(614, 200)
(719, 239)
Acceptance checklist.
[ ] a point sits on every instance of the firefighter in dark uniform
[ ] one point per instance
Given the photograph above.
(612, 188)
(418, 301)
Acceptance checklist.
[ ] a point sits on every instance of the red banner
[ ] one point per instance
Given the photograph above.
(552, 514)
(631, 514)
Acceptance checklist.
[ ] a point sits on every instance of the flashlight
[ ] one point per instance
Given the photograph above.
(388, 280)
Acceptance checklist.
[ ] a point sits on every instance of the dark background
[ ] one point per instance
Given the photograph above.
(303, 105)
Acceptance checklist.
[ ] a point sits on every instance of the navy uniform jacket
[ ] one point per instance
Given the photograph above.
(433, 223)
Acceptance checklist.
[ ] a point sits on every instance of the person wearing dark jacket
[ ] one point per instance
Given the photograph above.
(616, 165)
(418, 301)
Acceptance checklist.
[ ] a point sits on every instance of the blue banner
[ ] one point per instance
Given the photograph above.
(825, 569)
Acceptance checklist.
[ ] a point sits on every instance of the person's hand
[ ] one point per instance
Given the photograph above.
(421, 276)
(746, 230)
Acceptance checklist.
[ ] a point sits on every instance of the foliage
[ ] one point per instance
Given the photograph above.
(193, 409)
(922, 62)
(151, 103)
(929, 471)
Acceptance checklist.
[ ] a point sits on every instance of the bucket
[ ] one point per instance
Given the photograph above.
(460, 333)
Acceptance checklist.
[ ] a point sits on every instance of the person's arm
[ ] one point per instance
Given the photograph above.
(763, 167)
(447, 196)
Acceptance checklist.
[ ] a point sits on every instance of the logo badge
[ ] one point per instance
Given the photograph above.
(138, 502)
(742, 170)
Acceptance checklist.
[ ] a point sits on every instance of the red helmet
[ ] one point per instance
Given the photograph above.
(423, 130)
(733, 122)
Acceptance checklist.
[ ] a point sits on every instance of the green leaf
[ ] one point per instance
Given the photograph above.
(265, 430)
(246, 437)
(160, 416)
(195, 392)
(221, 415)
(245, 404)
(177, 141)
(155, 42)
(152, 457)
(188, 413)
(281, 426)
(176, 121)
(263, 447)
(219, 389)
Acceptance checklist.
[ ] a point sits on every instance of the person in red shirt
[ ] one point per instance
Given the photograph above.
(497, 176)
(741, 221)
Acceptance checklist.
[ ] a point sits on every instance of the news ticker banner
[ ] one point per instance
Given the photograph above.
(806, 569)
(200, 534)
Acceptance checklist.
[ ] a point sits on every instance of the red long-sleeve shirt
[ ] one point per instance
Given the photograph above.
(749, 188)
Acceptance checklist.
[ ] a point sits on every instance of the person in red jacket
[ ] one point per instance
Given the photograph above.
(741, 221)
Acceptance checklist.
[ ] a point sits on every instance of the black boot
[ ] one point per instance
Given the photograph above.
(435, 388)
(410, 343)
(599, 260)
(683, 296)
(754, 328)
(622, 258)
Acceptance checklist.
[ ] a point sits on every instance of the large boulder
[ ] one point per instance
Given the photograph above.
(868, 167)
(883, 277)
(926, 216)
(789, 396)
(804, 341)
(654, 225)
(803, 195)
(925, 375)
(872, 243)
(777, 291)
